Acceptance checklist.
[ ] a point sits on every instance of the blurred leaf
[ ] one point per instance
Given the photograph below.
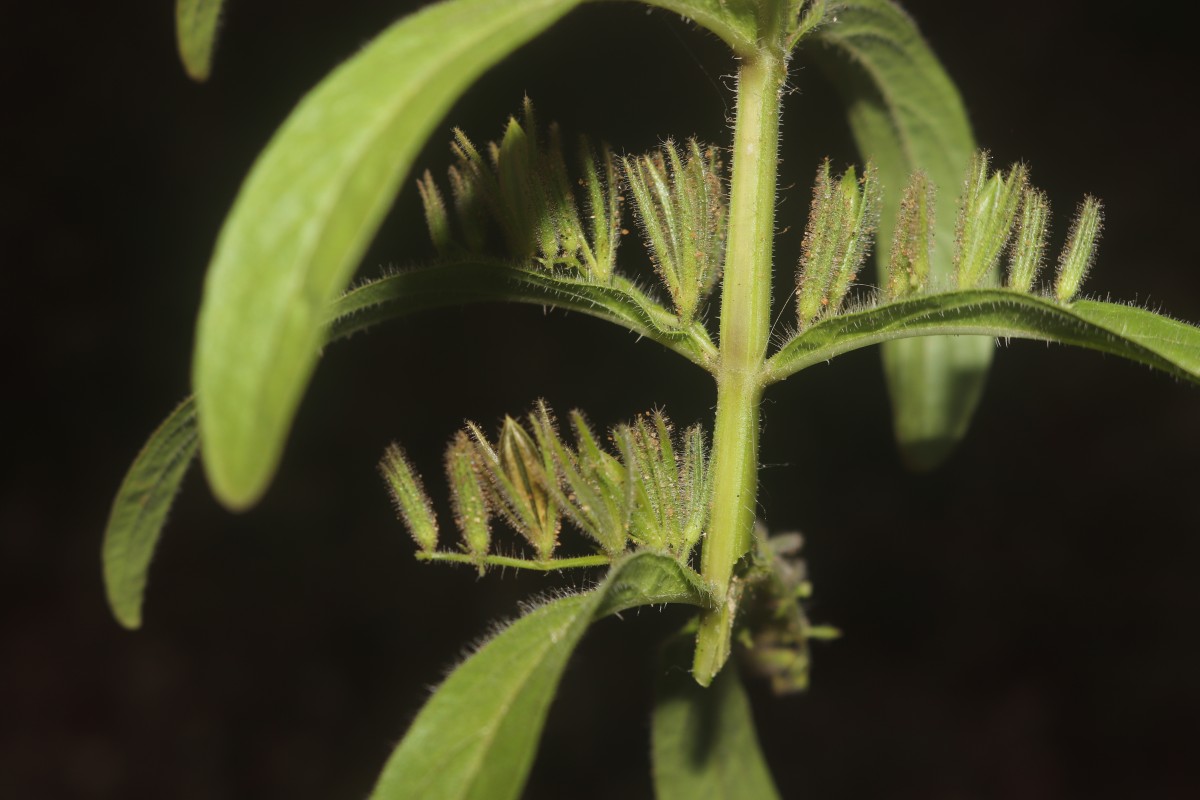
(906, 115)
(196, 35)
(704, 745)
(308, 211)
(1126, 331)
(140, 509)
(477, 735)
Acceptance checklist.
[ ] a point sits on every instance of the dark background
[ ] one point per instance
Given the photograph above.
(1020, 624)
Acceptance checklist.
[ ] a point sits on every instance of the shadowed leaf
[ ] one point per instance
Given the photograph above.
(704, 746)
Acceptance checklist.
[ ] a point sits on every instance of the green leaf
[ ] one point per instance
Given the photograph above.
(906, 115)
(704, 745)
(734, 21)
(140, 509)
(308, 211)
(477, 735)
(1126, 331)
(196, 35)
(620, 302)
(369, 304)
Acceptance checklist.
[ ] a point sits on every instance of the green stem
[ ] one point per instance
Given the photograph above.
(545, 565)
(745, 329)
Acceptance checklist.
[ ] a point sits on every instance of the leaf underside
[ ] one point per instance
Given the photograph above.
(140, 510)
(477, 735)
(906, 114)
(1127, 331)
(620, 302)
(307, 212)
(704, 742)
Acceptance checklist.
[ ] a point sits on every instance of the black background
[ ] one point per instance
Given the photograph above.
(1020, 624)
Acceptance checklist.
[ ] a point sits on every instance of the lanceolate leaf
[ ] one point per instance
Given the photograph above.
(307, 212)
(906, 115)
(1132, 333)
(137, 516)
(621, 302)
(477, 735)
(735, 21)
(140, 509)
(704, 743)
(196, 24)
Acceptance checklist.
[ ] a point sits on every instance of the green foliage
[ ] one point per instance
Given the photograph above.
(1127, 331)
(140, 511)
(703, 742)
(196, 23)
(518, 224)
(477, 735)
(338, 160)
(906, 115)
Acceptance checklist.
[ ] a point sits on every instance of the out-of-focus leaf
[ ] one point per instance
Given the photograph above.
(906, 115)
(196, 24)
(704, 746)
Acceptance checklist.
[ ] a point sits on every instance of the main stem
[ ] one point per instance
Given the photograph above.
(745, 328)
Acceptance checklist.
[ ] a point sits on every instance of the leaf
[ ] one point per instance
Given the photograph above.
(621, 302)
(704, 745)
(308, 211)
(734, 21)
(477, 735)
(1126, 331)
(906, 115)
(369, 304)
(196, 35)
(140, 509)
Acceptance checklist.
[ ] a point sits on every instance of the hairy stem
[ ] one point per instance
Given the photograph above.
(745, 326)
